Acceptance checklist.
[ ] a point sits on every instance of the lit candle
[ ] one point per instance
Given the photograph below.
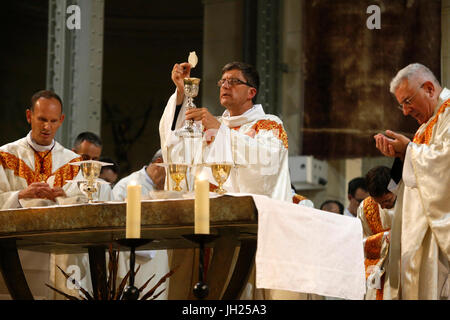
(202, 204)
(133, 225)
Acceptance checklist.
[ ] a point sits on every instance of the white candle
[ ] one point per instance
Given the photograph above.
(201, 204)
(133, 225)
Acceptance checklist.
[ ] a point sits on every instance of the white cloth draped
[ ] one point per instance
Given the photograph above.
(307, 250)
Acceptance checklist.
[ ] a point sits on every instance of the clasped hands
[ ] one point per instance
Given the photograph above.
(41, 190)
(392, 144)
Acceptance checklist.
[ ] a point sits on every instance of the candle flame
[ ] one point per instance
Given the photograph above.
(132, 183)
(202, 176)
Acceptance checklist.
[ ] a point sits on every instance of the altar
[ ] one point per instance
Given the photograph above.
(91, 228)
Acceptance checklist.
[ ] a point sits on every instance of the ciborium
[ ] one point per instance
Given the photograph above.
(90, 170)
(191, 87)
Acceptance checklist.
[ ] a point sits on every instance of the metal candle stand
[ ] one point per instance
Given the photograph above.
(131, 292)
(201, 289)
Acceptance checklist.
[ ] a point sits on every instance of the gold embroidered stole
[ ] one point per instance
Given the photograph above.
(425, 136)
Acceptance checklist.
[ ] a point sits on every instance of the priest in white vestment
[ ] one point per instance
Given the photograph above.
(244, 135)
(376, 213)
(425, 221)
(35, 169)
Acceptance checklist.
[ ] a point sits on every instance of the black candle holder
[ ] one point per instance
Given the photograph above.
(201, 289)
(131, 292)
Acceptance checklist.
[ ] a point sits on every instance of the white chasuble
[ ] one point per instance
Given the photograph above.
(255, 141)
(20, 166)
(425, 235)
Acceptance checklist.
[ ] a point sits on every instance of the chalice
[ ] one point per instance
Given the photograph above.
(177, 172)
(221, 172)
(191, 87)
(90, 170)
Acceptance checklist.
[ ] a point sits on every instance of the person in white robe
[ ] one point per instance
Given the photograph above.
(376, 213)
(37, 166)
(35, 169)
(150, 177)
(244, 135)
(424, 251)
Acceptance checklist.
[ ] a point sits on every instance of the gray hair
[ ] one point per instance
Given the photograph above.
(410, 72)
(157, 155)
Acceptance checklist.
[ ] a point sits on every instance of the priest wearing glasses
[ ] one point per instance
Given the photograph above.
(244, 134)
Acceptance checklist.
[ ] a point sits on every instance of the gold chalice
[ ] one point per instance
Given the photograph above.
(90, 170)
(177, 172)
(221, 172)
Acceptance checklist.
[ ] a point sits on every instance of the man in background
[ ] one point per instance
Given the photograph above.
(356, 193)
(88, 145)
(376, 213)
(332, 206)
(150, 177)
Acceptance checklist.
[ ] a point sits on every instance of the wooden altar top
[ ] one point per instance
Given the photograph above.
(71, 229)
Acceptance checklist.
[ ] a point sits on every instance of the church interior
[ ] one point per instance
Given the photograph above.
(324, 65)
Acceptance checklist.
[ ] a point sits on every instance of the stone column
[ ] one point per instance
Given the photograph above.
(292, 88)
(74, 65)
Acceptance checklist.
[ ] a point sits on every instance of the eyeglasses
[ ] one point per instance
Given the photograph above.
(232, 82)
(408, 101)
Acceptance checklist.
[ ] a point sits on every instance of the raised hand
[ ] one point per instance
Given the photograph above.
(179, 72)
(392, 145)
(382, 143)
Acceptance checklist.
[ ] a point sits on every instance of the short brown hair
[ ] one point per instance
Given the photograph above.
(248, 71)
(377, 181)
(47, 94)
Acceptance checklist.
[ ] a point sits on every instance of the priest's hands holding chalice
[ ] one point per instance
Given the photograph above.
(392, 144)
(179, 72)
(202, 114)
